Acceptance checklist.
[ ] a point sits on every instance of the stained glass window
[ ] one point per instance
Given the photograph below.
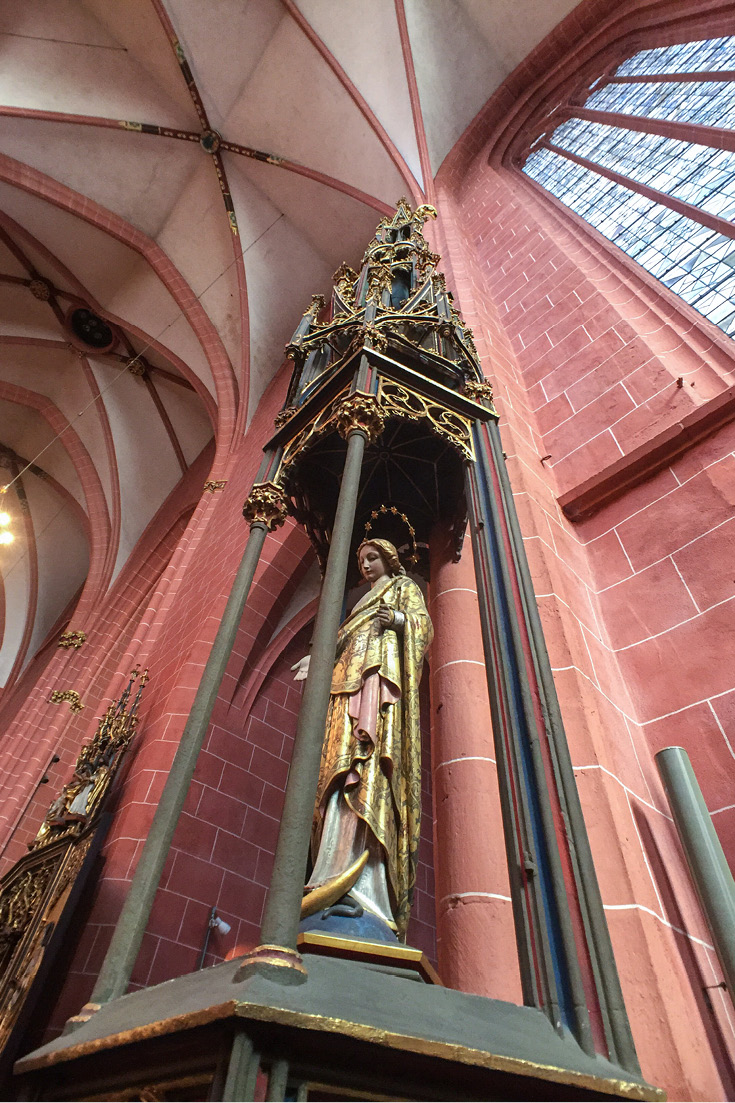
(695, 261)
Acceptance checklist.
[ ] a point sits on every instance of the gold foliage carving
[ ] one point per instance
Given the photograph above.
(360, 411)
(266, 504)
(480, 391)
(72, 639)
(70, 695)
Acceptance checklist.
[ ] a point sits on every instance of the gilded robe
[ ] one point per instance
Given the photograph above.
(376, 760)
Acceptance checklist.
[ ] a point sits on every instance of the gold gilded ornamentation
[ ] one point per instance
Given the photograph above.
(283, 416)
(385, 797)
(137, 367)
(79, 799)
(423, 213)
(371, 335)
(326, 895)
(399, 401)
(35, 891)
(380, 279)
(215, 484)
(413, 558)
(282, 957)
(294, 351)
(70, 695)
(344, 280)
(316, 305)
(72, 639)
(266, 504)
(480, 392)
(360, 411)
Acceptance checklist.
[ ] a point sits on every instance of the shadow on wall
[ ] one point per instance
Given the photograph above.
(701, 985)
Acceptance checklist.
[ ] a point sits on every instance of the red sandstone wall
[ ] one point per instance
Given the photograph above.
(223, 848)
(636, 602)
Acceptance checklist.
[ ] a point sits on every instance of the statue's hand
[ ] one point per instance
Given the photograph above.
(301, 668)
(385, 617)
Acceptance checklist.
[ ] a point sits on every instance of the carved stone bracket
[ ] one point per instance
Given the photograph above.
(266, 503)
(360, 411)
(70, 695)
(72, 639)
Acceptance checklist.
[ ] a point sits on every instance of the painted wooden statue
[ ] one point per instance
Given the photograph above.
(367, 814)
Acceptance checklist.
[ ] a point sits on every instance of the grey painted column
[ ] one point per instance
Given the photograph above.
(707, 863)
(283, 907)
(123, 950)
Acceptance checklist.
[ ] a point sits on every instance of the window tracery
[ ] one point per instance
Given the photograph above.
(667, 202)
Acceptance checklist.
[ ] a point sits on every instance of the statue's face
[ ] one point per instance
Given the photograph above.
(372, 565)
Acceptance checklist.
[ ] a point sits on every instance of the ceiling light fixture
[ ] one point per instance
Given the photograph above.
(6, 537)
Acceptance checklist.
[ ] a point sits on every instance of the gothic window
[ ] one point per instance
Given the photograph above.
(649, 162)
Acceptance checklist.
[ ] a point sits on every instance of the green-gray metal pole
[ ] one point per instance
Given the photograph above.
(283, 907)
(123, 950)
(277, 1082)
(707, 863)
(242, 1071)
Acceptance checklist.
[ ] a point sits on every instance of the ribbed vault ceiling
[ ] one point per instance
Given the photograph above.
(201, 259)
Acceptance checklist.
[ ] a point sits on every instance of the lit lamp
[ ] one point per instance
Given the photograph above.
(6, 537)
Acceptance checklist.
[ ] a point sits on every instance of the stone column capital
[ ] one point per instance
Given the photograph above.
(360, 411)
(266, 504)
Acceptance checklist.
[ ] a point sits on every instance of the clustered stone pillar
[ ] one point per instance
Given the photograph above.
(474, 910)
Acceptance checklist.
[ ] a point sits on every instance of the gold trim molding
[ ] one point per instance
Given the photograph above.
(72, 639)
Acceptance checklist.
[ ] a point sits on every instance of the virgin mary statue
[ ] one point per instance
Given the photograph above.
(368, 807)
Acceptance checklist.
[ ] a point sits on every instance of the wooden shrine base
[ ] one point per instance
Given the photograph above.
(350, 1030)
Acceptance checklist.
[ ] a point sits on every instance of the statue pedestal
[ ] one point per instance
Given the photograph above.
(351, 1029)
(393, 958)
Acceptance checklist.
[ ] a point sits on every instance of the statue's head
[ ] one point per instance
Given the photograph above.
(390, 562)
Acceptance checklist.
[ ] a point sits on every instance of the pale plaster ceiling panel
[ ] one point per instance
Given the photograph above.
(28, 434)
(61, 546)
(509, 29)
(295, 107)
(455, 72)
(9, 263)
(97, 260)
(22, 315)
(198, 239)
(365, 41)
(225, 40)
(145, 457)
(135, 25)
(78, 73)
(284, 270)
(56, 375)
(15, 577)
(188, 417)
(336, 225)
(138, 176)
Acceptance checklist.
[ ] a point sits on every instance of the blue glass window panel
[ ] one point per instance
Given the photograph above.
(693, 260)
